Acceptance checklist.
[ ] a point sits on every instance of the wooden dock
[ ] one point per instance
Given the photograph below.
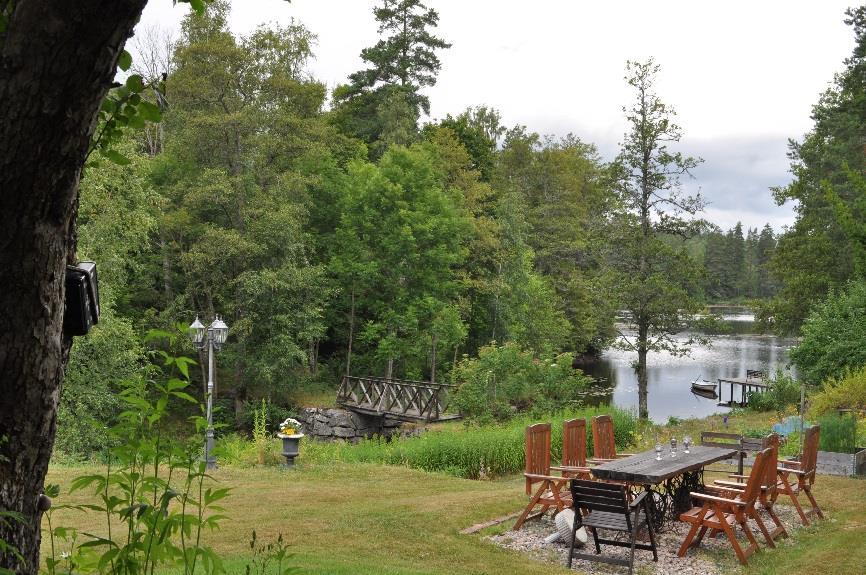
(752, 383)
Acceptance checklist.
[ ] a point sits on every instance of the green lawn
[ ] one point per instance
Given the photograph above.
(357, 519)
(372, 519)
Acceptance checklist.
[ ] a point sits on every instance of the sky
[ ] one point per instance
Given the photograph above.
(742, 76)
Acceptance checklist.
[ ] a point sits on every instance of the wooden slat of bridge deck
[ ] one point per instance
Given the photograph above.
(642, 468)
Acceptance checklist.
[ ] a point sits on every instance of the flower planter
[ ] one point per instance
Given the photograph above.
(291, 447)
(845, 464)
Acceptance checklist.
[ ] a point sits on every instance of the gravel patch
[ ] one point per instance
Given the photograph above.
(701, 561)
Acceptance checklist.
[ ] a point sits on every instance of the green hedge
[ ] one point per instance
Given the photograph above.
(466, 451)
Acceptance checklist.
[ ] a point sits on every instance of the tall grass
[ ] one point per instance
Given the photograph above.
(838, 434)
(468, 451)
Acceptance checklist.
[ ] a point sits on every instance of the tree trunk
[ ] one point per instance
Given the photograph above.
(433, 362)
(166, 270)
(351, 335)
(57, 61)
(642, 389)
(642, 379)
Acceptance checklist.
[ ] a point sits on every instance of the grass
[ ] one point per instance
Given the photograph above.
(355, 518)
(374, 519)
(365, 518)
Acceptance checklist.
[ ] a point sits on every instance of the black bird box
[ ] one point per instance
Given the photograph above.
(82, 299)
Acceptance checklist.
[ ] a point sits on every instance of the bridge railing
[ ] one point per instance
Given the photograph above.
(403, 398)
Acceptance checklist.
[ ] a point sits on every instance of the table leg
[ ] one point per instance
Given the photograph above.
(671, 497)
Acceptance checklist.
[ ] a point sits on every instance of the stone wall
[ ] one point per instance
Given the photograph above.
(329, 423)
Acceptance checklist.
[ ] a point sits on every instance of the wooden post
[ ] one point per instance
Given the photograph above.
(802, 414)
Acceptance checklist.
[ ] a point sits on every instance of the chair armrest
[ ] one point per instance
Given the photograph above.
(621, 455)
(597, 461)
(782, 470)
(729, 485)
(784, 463)
(735, 476)
(568, 469)
(637, 500)
(723, 490)
(713, 498)
(545, 477)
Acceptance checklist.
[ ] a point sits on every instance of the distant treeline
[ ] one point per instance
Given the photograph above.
(737, 267)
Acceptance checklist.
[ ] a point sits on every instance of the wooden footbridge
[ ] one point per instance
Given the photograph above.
(401, 399)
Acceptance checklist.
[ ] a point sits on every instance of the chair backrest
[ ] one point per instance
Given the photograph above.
(809, 461)
(574, 443)
(537, 452)
(771, 443)
(600, 496)
(603, 444)
(756, 476)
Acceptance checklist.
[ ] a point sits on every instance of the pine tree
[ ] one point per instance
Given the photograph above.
(655, 277)
(403, 62)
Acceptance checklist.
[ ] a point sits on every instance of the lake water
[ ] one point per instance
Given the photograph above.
(669, 377)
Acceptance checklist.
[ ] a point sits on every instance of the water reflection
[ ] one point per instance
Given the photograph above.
(670, 377)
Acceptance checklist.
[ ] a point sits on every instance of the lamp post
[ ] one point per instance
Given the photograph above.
(213, 337)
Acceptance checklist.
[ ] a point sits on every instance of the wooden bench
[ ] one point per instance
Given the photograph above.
(736, 441)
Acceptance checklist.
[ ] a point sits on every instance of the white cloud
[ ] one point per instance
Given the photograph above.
(740, 74)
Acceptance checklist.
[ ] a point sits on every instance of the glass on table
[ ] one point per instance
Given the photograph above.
(658, 451)
(673, 446)
(687, 441)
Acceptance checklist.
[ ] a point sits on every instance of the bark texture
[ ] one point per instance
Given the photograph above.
(57, 61)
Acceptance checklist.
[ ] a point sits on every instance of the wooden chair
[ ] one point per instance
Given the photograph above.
(574, 450)
(804, 471)
(537, 472)
(768, 493)
(603, 440)
(605, 506)
(723, 514)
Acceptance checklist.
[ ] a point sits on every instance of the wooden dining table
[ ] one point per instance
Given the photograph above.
(670, 480)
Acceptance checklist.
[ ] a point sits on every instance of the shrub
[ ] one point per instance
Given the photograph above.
(757, 432)
(504, 380)
(783, 391)
(834, 336)
(153, 491)
(470, 451)
(236, 450)
(847, 392)
(89, 405)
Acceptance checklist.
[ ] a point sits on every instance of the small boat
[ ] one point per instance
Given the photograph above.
(703, 385)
